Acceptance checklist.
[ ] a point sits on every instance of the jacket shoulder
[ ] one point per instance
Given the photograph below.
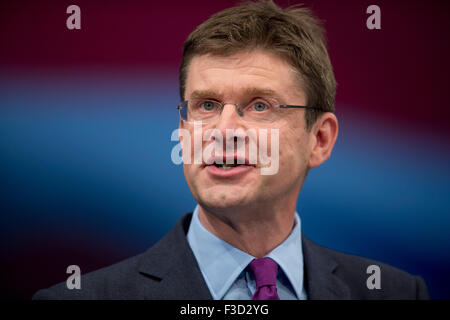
(360, 275)
(154, 274)
(112, 282)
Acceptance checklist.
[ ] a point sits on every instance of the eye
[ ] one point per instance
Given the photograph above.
(260, 106)
(208, 105)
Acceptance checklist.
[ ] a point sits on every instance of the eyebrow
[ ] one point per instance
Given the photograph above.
(204, 94)
(250, 91)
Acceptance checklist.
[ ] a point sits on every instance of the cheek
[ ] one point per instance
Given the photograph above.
(191, 140)
(293, 151)
(187, 169)
(191, 175)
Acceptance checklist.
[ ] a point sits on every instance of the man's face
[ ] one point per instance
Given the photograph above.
(238, 79)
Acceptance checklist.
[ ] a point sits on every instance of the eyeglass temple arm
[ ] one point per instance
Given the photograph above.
(287, 106)
(182, 105)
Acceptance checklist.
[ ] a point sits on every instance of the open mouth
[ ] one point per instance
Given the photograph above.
(227, 166)
(222, 165)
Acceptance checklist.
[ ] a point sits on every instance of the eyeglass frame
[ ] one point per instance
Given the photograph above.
(184, 104)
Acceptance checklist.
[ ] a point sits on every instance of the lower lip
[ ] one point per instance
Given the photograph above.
(235, 171)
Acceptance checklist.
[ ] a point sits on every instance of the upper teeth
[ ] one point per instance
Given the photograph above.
(225, 166)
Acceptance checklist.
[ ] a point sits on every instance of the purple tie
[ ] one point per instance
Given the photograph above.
(265, 272)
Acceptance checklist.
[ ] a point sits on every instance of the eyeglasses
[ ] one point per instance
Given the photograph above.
(257, 110)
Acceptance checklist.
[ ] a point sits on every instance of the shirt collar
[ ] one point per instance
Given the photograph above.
(221, 263)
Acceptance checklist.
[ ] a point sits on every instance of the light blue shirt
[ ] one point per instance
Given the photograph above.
(224, 267)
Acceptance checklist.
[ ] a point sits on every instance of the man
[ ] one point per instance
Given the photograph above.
(249, 72)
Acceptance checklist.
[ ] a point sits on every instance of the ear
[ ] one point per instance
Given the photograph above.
(323, 136)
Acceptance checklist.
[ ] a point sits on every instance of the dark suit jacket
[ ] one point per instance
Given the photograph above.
(169, 270)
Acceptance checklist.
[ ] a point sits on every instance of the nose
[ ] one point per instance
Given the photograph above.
(230, 121)
(229, 118)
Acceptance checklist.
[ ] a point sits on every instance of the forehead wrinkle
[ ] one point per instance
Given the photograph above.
(237, 63)
(235, 89)
(234, 66)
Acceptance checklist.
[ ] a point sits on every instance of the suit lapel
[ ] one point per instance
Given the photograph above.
(172, 271)
(172, 268)
(321, 282)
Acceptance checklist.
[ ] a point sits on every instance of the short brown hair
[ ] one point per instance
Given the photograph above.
(293, 34)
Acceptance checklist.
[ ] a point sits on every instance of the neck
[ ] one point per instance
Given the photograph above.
(256, 231)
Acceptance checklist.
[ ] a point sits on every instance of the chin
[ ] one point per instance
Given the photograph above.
(223, 197)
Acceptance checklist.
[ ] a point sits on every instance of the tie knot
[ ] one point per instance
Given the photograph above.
(265, 271)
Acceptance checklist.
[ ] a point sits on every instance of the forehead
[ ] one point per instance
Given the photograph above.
(241, 74)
